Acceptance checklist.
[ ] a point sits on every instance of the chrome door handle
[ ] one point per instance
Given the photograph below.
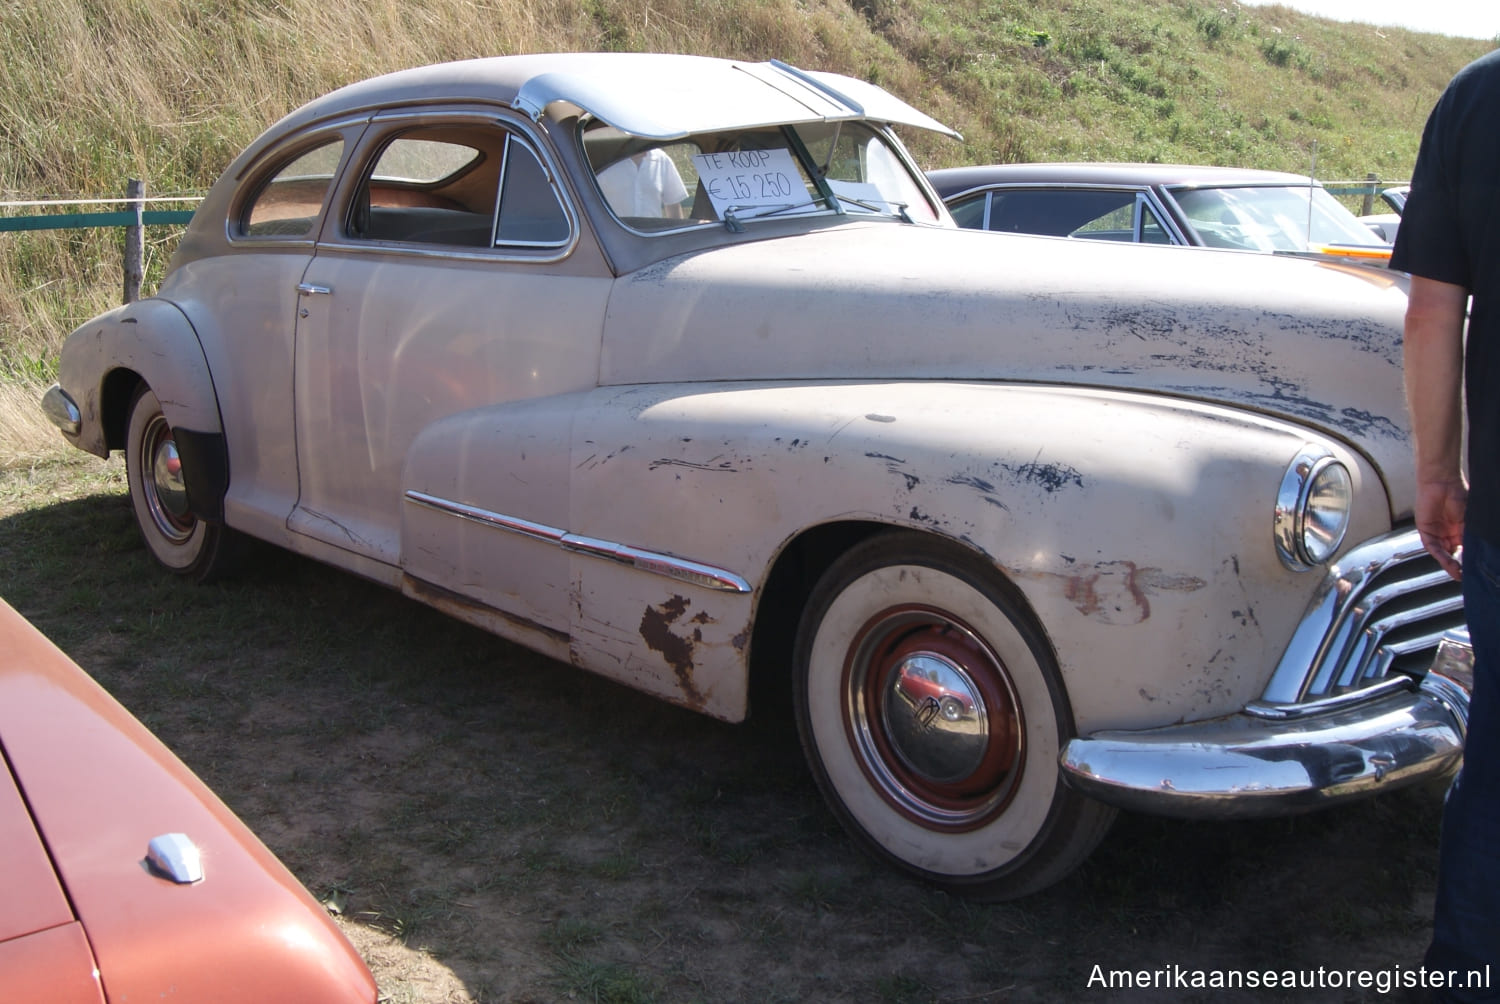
(308, 289)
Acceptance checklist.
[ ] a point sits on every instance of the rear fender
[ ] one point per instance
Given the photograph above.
(151, 342)
(155, 342)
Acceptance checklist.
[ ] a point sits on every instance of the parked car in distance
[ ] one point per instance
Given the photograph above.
(677, 369)
(126, 879)
(1385, 225)
(1215, 207)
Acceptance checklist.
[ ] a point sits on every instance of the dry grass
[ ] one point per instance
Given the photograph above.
(93, 92)
(26, 437)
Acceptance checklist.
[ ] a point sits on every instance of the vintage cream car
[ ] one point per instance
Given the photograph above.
(676, 369)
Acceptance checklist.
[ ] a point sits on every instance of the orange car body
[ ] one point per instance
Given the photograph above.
(84, 788)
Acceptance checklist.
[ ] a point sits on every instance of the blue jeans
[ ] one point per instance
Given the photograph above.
(1466, 922)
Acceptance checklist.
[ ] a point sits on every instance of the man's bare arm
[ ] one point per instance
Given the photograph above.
(1434, 360)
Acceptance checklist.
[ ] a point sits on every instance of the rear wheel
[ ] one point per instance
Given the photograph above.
(932, 715)
(176, 538)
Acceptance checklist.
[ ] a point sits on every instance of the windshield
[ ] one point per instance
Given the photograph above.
(740, 176)
(1271, 218)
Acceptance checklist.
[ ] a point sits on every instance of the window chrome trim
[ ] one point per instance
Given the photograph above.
(496, 220)
(398, 118)
(655, 562)
(250, 182)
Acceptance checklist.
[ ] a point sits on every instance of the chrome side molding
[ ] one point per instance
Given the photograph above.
(655, 562)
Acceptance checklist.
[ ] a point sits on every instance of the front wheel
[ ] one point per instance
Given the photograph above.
(932, 715)
(176, 538)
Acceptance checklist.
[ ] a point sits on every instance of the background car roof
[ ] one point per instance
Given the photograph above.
(952, 181)
(647, 94)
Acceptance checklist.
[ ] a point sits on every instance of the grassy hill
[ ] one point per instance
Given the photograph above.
(93, 92)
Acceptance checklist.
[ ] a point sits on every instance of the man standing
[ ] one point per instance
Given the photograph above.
(646, 184)
(1450, 243)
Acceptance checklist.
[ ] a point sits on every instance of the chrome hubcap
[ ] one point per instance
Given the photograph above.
(935, 718)
(932, 714)
(164, 488)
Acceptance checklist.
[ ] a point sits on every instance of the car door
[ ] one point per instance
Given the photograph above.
(242, 302)
(452, 280)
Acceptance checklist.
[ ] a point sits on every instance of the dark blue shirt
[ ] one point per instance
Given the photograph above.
(1450, 231)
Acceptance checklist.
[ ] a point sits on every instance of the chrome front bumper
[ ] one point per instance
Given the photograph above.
(1244, 765)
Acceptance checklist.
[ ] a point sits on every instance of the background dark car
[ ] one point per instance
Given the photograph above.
(1216, 207)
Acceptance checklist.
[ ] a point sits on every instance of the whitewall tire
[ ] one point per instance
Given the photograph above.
(178, 540)
(932, 715)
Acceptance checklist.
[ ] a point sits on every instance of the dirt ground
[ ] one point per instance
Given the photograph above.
(490, 825)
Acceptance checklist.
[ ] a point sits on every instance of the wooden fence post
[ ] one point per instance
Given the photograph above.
(1368, 205)
(135, 242)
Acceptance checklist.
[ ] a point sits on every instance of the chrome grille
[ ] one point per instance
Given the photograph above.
(1374, 625)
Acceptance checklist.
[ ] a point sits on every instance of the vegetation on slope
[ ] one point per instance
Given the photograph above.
(94, 92)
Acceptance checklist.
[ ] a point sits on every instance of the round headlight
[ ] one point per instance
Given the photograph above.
(1312, 509)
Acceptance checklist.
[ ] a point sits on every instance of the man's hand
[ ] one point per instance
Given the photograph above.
(1440, 520)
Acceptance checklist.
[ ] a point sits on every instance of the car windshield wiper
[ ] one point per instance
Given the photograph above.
(879, 206)
(732, 217)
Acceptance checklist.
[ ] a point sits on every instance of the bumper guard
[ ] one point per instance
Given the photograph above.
(60, 409)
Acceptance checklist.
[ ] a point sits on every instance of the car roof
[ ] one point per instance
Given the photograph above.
(955, 180)
(655, 95)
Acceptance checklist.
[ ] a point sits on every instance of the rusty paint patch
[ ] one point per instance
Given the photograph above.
(677, 650)
(471, 611)
(1119, 592)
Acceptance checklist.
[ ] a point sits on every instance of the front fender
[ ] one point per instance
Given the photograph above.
(155, 342)
(1138, 527)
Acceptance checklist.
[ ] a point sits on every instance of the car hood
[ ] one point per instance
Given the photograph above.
(99, 787)
(1315, 342)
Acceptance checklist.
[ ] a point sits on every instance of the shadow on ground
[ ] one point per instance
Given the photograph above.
(493, 825)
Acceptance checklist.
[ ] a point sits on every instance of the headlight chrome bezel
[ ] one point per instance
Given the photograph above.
(1305, 536)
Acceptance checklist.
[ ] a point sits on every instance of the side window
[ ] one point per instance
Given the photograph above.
(290, 201)
(530, 212)
(1064, 212)
(1117, 224)
(464, 185)
(430, 186)
(970, 212)
(1153, 231)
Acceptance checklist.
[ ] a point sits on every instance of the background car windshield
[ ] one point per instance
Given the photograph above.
(1271, 218)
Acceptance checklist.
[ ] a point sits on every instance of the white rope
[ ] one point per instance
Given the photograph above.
(101, 202)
